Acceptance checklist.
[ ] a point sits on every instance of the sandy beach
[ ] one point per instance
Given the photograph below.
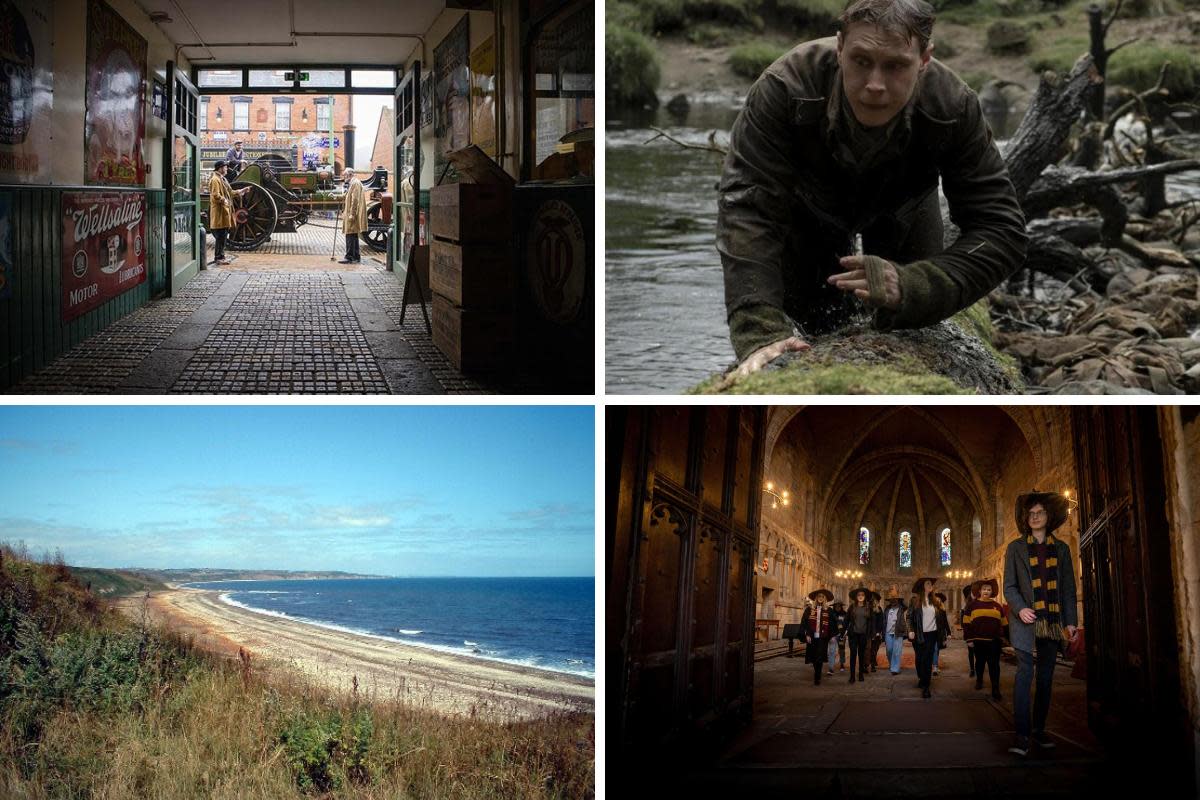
(385, 669)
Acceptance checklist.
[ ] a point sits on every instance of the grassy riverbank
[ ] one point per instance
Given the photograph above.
(696, 46)
(93, 706)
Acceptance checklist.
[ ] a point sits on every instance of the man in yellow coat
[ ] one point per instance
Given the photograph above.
(220, 208)
(354, 216)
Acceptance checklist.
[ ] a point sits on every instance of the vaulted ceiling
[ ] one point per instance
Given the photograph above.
(897, 468)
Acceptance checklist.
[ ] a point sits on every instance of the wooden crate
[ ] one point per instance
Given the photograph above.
(471, 213)
(474, 341)
(476, 277)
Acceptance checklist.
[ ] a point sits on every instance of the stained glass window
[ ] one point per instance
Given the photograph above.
(905, 549)
(945, 547)
(864, 546)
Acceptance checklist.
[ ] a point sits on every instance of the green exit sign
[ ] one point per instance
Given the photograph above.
(291, 76)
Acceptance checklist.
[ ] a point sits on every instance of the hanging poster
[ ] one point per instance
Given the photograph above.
(427, 101)
(115, 116)
(483, 97)
(452, 99)
(6, 248)
(26, 92)
(103, 248)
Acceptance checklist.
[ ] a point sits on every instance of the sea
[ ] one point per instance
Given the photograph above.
(548, 623)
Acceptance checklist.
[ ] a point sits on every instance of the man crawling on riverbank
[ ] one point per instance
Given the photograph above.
(848, 136)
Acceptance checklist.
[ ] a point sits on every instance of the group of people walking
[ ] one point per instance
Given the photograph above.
(1039, 619)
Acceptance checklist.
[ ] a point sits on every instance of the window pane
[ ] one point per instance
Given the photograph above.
(563, 81)
(203, 116)
(241, 116)
(373, 78)
(283, 117)
(325, 77)
(184, 189)
(323, 117)
(219, 77)
(945, 547)
(183, 237)
(864, 546)
(905, 549)
(268, 77)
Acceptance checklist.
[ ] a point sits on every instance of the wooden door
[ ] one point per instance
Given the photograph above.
(682, 533)
(1129, 613)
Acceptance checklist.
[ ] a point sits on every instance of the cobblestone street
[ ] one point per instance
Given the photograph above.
(276, 331)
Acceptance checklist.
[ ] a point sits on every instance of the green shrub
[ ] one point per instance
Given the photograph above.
(663, 16)
(816, 17)
(627, 15)
(731, 12)
(326, 750)
(631, 70)
(1136, 66)
(749, 60)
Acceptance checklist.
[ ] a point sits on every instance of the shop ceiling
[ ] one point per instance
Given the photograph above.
(310, 32)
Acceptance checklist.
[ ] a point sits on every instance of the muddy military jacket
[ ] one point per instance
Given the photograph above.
(787, 174)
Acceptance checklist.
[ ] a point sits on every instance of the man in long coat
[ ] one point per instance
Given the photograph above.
(220, 208)
(849, 136)
(354, 216)
(1039, 585)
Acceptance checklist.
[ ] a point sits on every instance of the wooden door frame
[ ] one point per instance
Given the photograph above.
(177, 277)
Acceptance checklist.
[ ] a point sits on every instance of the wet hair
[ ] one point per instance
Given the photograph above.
(912, 19)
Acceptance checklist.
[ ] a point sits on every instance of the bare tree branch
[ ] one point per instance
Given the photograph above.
(711, 147)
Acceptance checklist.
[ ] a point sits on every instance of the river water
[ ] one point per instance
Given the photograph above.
(665, 325)
(664, 304)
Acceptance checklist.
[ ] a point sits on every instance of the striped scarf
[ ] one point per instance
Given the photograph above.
(1045, 598)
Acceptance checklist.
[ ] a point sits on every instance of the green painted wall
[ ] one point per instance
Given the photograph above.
(32, 333)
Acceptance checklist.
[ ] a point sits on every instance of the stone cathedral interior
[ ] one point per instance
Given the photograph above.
(722, 520)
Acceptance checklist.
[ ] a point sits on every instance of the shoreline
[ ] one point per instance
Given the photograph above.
(384, 668)
(445, 649)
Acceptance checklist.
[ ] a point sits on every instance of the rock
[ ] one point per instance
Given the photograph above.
(1005, 37)
(947, 358)
(679, 105)
(1095, 387)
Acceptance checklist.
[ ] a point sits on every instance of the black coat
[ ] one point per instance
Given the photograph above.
(815, 651)
(915, 624)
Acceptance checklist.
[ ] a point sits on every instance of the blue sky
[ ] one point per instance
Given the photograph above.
(386, 490)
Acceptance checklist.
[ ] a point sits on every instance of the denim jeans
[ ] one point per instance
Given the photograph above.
(937, 648)
(1047, 654)
(895, 647)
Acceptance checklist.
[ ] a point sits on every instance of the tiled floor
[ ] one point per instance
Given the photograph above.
(270, 331)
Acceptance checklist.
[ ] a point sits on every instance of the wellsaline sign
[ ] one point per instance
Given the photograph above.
(104, 253)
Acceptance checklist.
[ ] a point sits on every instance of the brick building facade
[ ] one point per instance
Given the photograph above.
(277, 122)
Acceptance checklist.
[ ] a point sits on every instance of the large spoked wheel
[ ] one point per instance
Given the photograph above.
(375, 235)
(254, 217)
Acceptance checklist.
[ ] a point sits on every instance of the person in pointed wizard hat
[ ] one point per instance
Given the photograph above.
(1039, 585)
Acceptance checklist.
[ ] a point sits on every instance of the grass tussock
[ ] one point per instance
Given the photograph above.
(93, 706)
(750, 59)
